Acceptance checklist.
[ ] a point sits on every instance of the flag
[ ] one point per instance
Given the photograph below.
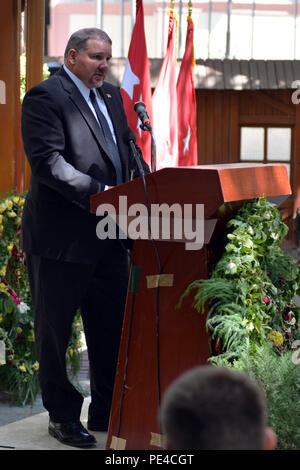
(164, 103)
(136, 84)
(186, 101)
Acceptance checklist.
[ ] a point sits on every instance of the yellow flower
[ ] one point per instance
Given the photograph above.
(71, 352)
(10, 356)
(12, 214)
(22, 368)
(1, 219)
(8, 204)
(276, 337)
(31, 337)
(3, 271)
(3, 287)
(1, 318)
(19, 330)
(21, 203)
(16, 199)
(36, 365)
(10, 247)
(2, 208)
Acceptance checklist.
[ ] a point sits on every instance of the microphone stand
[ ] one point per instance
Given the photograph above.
(153, 153)
(137, 158)
(148, 128)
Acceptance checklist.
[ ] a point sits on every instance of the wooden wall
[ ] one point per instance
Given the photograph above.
(221, 113)
(217, 123)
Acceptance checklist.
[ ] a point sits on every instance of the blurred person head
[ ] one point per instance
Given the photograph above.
(212, 408)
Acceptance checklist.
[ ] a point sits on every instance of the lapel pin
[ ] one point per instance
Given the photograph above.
(108, 95)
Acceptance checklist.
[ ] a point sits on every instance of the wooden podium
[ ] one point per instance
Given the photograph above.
(159, 340)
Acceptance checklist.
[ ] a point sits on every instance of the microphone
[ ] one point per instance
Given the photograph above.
(140, 109)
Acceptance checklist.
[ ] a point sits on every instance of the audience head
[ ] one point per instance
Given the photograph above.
(212, 408)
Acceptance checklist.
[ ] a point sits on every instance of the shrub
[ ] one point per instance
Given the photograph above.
(279, 378)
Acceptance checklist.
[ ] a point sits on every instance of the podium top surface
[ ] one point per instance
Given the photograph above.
(211, 185)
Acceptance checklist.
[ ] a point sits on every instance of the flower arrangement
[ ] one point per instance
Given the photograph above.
(18, 363)
(251, 289)
(252, 316)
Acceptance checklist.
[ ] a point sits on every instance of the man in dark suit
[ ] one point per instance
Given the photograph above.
(77, 145)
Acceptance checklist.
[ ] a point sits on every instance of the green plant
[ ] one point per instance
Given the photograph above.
(279, 379)
(251, 289)
(19, 366)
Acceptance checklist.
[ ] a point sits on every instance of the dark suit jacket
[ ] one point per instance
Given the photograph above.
(69, 162)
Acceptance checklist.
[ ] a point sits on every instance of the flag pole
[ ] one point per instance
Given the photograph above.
(189, 18)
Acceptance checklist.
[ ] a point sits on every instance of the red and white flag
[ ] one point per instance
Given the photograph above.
(164, 103)
(186, 101)
(136, 84)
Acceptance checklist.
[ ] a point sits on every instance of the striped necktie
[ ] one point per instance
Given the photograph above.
(112, 147)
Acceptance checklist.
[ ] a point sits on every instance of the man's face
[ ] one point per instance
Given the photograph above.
(91, 65)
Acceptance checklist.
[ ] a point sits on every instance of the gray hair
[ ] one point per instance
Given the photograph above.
(79, 39)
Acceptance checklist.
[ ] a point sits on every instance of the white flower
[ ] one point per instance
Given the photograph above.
(232, 267)
(23, 307)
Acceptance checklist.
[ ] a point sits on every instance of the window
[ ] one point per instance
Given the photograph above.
(279, 143)
(252, 143)
(266, 145)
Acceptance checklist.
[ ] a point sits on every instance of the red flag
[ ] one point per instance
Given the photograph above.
(186, 101)
(136, 84)
(164, 103)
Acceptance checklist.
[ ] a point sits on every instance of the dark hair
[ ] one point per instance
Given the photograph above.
(212, 408)
(79, 39)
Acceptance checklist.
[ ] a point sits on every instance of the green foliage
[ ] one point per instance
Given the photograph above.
(252, 287)
(250, 305)
(279, 378)
(19, 369)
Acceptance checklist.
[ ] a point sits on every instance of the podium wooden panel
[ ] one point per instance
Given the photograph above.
(160, 341)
